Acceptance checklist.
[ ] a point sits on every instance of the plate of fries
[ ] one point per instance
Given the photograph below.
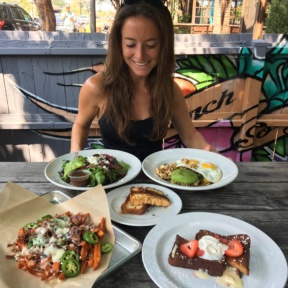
(60, 246)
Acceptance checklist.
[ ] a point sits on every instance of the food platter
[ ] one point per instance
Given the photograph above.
(227, 166)
(154, 214)
(52, 169)
(268, 266)
(125, 247)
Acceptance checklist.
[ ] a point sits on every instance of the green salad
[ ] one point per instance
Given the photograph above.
(103, 169)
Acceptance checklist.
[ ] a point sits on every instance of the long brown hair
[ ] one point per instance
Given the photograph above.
(117, 83)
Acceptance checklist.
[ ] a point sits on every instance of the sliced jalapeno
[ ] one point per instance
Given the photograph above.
(70, 267)
(30, 225)
(70, 254)
(30, 243)
(90, 237)
(45, 217)
(106, 247)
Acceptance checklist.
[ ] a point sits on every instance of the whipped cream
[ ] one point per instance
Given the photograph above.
(213, 248)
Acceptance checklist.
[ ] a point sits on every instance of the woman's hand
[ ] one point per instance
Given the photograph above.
(210, 148)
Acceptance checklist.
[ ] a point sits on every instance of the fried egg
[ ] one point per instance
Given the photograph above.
(208, 170)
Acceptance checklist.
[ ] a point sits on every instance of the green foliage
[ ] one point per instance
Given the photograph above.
(182, 30)
(277, 21)
(235, 15)
(185, 18)
(25, 4)
(59, 3)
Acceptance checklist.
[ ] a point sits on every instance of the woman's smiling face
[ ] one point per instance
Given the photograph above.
(140, 45)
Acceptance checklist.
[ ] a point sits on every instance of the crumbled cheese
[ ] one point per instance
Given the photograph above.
(55, 252)
(61, 231)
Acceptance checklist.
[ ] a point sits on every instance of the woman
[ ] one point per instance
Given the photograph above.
(135, 97)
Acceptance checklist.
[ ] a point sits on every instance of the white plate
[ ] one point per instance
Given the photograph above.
(228, 167)
(268, 266)
(52, 169)
(153, 216)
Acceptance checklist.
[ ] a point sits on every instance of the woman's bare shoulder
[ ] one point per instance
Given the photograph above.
(177, 90)
(93, 87)
(95, 82)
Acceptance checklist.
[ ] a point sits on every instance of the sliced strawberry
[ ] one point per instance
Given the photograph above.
(235, 248)
(190, 248)
(199, 252)
(221, 240)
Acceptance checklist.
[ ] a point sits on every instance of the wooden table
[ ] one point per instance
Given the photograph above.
(259, 196)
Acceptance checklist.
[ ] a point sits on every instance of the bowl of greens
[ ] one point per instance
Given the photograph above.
(106, 167)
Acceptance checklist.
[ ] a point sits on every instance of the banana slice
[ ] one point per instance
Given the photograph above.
(201, 274)
(230, 278)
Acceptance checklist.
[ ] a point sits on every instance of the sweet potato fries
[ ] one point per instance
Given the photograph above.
(60, 246)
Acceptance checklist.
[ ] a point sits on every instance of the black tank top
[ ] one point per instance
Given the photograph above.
(142, 147)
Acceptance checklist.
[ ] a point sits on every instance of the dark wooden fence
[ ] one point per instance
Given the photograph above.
(235, 89)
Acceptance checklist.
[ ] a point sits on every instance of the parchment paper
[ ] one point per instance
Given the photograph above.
(93, 201)
(10, 198)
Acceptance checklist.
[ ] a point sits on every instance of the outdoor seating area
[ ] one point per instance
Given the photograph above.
(144, 144)
(101, 216)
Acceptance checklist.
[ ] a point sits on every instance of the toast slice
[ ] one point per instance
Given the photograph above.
(128, 208)
(149, 196)
(242, 262)
(179, 259)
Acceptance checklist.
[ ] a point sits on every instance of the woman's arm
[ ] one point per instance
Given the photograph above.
(183, 124)
(90, 99)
